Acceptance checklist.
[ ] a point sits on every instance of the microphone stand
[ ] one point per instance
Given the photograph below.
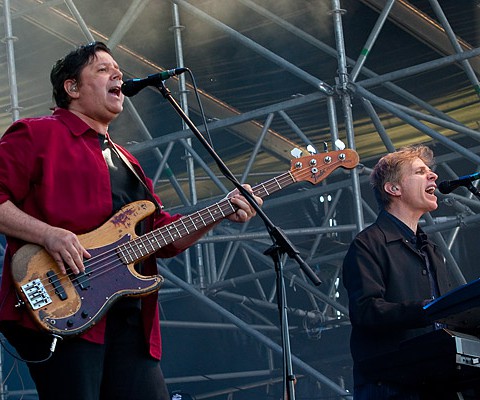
(473, 189)
(281, 245)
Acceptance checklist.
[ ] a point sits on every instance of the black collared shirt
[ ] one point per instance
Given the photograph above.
(419, 240)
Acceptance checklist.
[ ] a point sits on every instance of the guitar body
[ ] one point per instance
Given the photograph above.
(68, 305)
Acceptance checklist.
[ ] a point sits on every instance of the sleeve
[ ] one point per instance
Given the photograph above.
(17, 163)
(366, 278)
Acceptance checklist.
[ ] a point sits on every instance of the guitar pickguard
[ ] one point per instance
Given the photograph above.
(103, 289)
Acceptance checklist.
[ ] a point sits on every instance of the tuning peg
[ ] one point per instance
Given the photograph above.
(312, 150)
(339, 144)
(296, 153)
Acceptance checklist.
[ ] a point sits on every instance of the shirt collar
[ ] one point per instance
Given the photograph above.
(75, 124)
(418, 238)
(406, 232)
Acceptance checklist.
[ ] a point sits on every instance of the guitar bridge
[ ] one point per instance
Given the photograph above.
(36, 294)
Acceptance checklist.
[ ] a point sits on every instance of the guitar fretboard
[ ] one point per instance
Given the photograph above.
(151, 242)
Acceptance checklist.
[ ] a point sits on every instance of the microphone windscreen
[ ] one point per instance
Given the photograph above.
(446, 187)
(132, 87)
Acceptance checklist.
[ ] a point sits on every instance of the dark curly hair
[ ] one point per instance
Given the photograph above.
(70, 67)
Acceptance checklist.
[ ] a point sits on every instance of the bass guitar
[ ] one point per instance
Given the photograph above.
(70, 304)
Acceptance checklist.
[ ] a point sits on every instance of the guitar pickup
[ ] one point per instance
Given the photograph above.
(83, 280)
(59, 290)
(36, 294)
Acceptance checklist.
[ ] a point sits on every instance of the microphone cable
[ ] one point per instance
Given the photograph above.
(199, 102)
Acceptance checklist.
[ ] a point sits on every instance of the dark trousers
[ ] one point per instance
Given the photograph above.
(121, 369)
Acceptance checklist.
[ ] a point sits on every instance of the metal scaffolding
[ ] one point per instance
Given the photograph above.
(227, 271)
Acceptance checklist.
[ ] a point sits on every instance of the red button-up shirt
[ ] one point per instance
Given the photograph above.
(53, 169)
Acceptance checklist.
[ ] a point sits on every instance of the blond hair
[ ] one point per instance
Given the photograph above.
(389, 169)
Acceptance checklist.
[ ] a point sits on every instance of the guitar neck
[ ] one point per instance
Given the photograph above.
(151, 242)
(313, 168)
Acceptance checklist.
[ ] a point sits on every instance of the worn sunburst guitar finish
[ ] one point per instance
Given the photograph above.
(70, 304)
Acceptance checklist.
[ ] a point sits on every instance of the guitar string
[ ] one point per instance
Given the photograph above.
(114, 253)
(108, 267)
(200, 215)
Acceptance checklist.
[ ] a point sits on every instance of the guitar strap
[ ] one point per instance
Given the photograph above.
(139, 267)
(125, 160)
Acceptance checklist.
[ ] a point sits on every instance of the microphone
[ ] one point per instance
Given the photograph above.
(133, 86)
(446, 187)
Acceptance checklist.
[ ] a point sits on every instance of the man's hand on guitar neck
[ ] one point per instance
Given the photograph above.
(245, 211)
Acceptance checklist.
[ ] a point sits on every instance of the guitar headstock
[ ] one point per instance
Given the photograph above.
(316, 167)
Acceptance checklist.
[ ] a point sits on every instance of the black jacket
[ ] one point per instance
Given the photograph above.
(387, 284)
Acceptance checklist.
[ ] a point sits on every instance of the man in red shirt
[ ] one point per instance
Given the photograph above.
(62, 176)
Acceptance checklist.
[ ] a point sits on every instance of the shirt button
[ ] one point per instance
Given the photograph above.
(424, 272)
